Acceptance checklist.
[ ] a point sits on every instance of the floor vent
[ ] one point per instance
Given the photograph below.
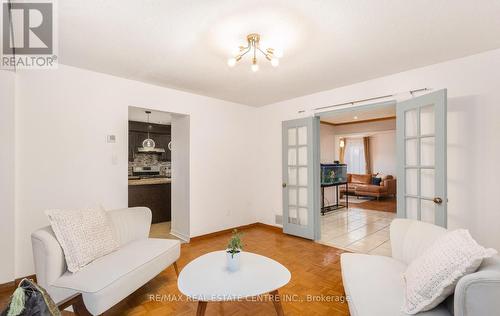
(279, 219)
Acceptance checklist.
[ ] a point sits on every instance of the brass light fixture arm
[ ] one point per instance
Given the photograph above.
(253, 41)
(247, 49)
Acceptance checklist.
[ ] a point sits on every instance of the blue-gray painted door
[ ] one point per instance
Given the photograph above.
(300, 161)
(421, 148)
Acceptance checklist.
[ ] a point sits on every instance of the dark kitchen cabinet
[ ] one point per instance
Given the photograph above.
(157, 197)
(138, 132)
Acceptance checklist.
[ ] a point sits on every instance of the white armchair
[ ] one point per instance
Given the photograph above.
(109, 279)
(374, 285)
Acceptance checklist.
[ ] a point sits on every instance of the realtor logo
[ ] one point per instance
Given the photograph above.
(28, 35)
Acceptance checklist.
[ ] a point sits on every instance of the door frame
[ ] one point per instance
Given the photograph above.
(316, 142)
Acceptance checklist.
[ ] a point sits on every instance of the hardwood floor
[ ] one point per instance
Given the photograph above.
(315, 270)
(384, 204)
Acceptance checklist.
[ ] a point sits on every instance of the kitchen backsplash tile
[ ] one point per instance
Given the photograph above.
(147, 160)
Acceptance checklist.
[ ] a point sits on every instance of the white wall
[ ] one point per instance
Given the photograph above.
(327, 143)
(180, 176)
(63, 161)
(383, 152)
(473, 131)
(7, 159)
(327, 155)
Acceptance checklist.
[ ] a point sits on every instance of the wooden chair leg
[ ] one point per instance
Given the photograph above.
(78, 305)
(80, 309)
(277, 303)
(202, 307)
(176, 268)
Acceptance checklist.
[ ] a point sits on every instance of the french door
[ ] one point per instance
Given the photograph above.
(421, 143)
(301, 177)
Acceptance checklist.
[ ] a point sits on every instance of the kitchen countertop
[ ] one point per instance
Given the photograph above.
(147, 181)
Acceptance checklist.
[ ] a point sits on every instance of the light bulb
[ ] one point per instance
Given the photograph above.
(231, 62)
(355, 117)
(148, 143)
(275, 62)
(255, 67)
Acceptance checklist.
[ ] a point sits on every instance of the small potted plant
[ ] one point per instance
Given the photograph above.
(233, 251)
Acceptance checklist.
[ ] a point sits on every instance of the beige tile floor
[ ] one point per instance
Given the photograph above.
(358, 230)
(161, 230)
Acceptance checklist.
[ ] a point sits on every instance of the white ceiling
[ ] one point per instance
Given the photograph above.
(326, 44)
(358, 115)
(157, 117)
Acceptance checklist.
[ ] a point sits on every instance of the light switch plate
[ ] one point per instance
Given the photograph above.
(111, 139)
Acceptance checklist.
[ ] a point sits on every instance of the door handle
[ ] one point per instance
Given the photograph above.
(283, 185)
(438, 200)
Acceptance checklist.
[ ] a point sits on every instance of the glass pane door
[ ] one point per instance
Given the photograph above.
(421, 133)
(299, 177)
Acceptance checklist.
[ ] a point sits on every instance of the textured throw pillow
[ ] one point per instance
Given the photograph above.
(432, 276)
(84, 235)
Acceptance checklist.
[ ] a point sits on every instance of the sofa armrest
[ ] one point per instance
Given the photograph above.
(131, 223)
(48, 256)
(390, 184)
(478, 293)
(409, 238)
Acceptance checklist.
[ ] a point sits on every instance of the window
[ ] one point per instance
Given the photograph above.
(355, 156)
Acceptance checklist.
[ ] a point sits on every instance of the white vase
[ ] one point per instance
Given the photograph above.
(233, 261)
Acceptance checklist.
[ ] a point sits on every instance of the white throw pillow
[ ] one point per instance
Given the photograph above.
(84, 235)
(432, 277)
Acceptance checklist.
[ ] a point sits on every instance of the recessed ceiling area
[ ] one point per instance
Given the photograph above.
(157, 117)
(361, 114)
(185, 45)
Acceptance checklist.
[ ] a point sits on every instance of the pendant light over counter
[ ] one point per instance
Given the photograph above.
(148, 145)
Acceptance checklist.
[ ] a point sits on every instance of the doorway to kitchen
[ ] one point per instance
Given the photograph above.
(158, 169)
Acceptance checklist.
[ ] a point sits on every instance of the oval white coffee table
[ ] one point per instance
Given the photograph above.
(206, 279)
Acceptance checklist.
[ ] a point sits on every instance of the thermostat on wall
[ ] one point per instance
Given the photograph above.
(111, 139)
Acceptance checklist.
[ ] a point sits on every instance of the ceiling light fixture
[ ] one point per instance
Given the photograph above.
(148, 143)
(253, 47)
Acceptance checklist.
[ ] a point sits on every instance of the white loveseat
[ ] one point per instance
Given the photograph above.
(109, 279)
(374, 284)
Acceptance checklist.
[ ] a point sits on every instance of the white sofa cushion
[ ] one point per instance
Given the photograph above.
(374, 286)
(432, 276)
(84, 235)
(106, 270)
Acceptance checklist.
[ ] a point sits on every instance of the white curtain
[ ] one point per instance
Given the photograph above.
(355, 156)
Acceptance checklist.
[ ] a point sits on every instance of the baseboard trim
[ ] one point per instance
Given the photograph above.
(243, 227)
(278, 229)
(11, 286)
(179, 235)
(6, 287)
